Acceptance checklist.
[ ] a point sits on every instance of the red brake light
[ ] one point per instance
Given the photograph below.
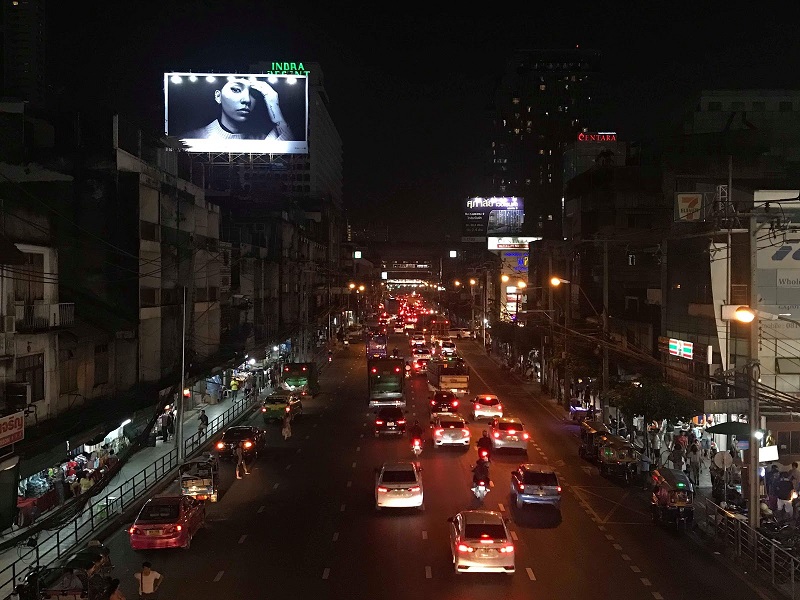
(378, 422)
(496, 435)
(477, 405)
(383, 489)
(374, 370)
(433, 402)
(248, 444)
(304, 368)
(220, 445)
(525, 436)
(558, 489)
(178, 527)
(455, 403)
(521, 487)
(401, 422)
(287, 409)
(414, 488)
(507, 549)
(397, 369)
(263, 409)
(465, 431)
(499, 407)
(286, 369)
(512, 431)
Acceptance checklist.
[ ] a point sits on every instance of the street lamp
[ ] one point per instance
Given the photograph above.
(555, 282)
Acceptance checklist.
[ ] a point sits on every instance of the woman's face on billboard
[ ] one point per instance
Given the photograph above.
(235, 100)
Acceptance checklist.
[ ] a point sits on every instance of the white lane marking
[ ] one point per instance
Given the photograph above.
(275, 487)
(514, 536)
(243, 538)
(288, 467)
(219, 576)
(424, 535)
(625, 557)
(544, 458)
(358, 448)
(609, 537)
(335, 536)
(617, 547)
(364, 425)
(428, 574)
(326, 573)
(349, 484)
(354, 465)
(531, 576)
(587, 470)
(261, 509)
(601, 528)
(341, 508)
(658, 596)
(635, 569)
(501, 508)
(646, 582)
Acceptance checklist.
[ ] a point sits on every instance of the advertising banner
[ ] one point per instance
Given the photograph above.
(254, 114)
(484, 217)
(511, 243)
(12, 429)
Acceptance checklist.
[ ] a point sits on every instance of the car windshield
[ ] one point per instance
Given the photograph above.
(510, 427)
(402, 476)
(234, 435)
(158, 513)
(442, 397)
(489, 401)
(477, 531)
(536, 478)
(421, 351)
(448, 345)
(451, 424)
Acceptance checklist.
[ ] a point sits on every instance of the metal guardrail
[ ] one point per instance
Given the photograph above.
(758, 554)
(98, 513)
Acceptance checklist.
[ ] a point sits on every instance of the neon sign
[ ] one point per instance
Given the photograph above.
(287, 68)
(599, 136)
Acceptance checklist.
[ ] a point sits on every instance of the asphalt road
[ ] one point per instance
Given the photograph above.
(303, 524)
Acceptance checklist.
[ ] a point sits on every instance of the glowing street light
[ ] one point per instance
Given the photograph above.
(457, 283)
(744, 314)
(504, 278)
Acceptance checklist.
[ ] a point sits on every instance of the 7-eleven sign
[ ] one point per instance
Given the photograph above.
(689, 207)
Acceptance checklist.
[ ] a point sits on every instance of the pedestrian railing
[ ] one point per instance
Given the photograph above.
(101, 510)
(756, 552)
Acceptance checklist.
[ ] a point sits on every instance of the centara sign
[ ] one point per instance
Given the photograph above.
(600, 136)
(12, 429)
(509, 203)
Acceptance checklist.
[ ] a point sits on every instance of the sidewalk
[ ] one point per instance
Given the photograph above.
(143, 470)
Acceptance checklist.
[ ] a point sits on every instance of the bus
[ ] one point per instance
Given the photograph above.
(386, 381)
(301, 378)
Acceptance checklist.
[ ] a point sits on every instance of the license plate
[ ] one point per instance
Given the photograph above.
(485, 553)
(154, 532)
(512, 438)
(390, 424)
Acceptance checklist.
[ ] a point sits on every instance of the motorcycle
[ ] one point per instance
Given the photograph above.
(484, 453)
(416, 446)
(480, 489)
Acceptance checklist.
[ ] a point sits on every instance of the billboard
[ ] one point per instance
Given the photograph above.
(484, 217)
(12, 429)
(511, 243)
(252, 114)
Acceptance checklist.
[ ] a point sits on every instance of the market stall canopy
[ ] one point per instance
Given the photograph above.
(737, 428)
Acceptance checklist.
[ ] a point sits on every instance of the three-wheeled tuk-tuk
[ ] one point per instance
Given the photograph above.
(672, 498)
(83, 575)
(199, 477)
(618, 458)
(592, 436)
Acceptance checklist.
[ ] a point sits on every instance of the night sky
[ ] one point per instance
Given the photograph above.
(409, 86)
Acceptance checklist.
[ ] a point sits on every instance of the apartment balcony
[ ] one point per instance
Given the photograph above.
(44, 317)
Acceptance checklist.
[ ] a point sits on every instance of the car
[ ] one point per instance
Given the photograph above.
(280, 402)
(443, 402)
(421, 352)
(399, 485)
(417, 339)
(535, 484)
(390, 420)
(447, 348)
(480, 542)
(486, 406)
(167, 522)
(253, 438)
(398, 328)
(508, 432)
(419, 365)
(450, 430)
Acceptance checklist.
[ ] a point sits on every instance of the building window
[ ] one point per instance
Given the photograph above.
(31, 370)
(542, 87)
(785, 106)
(632, 304)
(761, 106)
(149, 231)
(631, 259)
(29, 279)
(67, 371)
(100, 364)
(715, 106)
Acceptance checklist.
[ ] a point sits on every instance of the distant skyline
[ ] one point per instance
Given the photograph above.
(410, 90)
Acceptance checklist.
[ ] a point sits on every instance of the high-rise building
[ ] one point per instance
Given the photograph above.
(24, 49)
(542, 103)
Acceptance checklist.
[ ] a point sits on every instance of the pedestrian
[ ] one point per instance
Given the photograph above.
(794, 472)
(286, 426)
(163, 422)
(58, 483)
(149, 581)
(170, 425)
(654, 436)
(682, 440)
(644, 469)
(783, 491)
(203, 423)
(695, 463)
(677, 457)
(771, 485)
(241, 464)
(235, 388)
(114, 593)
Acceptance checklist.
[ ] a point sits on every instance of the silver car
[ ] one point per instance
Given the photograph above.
(486, 406)
(450, 430)
(508, 432)
(480, 542)
(535, 484)
(399, 485)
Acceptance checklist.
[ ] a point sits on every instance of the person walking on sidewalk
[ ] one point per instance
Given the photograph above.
(286, 426)
(203, 423)
(695, 463)
(149, 581)
(241, 464)
(170, 425)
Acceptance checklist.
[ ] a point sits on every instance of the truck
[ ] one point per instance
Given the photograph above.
(301, 378)
(376, 346)
(448, 373)
(386, 382)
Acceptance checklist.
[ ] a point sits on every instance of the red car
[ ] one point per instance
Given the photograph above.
(167, 522)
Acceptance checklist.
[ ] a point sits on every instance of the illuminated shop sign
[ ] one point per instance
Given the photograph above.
(681, 348)
(597, 136)
(287, 68)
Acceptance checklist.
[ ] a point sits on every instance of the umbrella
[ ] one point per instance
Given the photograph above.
(737, 428)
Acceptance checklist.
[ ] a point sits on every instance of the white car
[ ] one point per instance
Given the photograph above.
(417, 340)
(421, 352)
(480, 542)
(448, 348)
(486, 406)
(450, 430)
(508, 432)
(398, 328)
(399, 485)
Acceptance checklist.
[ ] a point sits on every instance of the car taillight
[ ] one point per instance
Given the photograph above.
(487, 541)
(525, 436)
(521, 487)
(507, 549)
(497, 435)
(135, 531)
(414, 488)
(433, 402)
(416, 365)
(477, 406)
(482, 483)
(287, 409)
(383, 489)
(401, 422)
(499, 407)
(220, 445)
(465, 548)
(417, 443)
(178, 527)
(465, 431)
(455, 403)
(558, 489)
(248, 444)
(379, 422)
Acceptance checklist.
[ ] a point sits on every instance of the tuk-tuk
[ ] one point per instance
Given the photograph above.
(280, 402)
(592, 436)
(672, 498)
(199, 478)
(82, 575)
(618, 458)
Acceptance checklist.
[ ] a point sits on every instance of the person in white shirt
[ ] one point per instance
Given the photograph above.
(149, 581)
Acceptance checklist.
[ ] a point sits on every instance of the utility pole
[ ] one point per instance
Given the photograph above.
(181, 400)
(753, 374)
(605, 382)
(485, 305)
(567, 365)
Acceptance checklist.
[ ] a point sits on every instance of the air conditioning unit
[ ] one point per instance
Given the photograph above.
(10, 324)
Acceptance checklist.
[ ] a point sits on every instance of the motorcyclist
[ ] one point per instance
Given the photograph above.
(480, 472)
(485, 442)
(415, 431)
(396, 351)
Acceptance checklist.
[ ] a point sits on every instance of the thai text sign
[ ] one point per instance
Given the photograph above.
(12, 429)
